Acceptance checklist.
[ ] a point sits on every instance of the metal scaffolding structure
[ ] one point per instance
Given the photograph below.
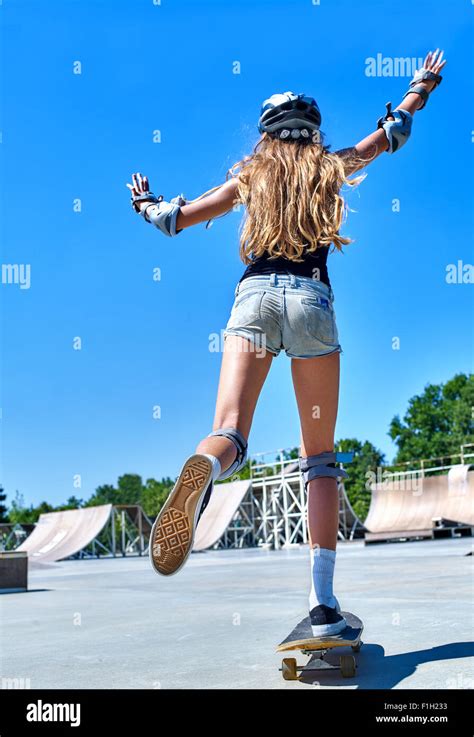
(273, 512)
(240, 531)
(280, 503)
(127, 532)
(12, 534)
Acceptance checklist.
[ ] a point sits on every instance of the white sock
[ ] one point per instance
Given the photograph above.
(322, 574)
(216, 466)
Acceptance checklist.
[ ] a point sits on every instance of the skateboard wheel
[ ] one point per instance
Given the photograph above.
(348, 666)
(288, 669)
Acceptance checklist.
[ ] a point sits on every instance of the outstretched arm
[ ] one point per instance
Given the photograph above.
(171, 217)
(369, 148)
(211, 206)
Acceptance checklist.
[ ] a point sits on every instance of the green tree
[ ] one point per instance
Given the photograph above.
(105, 494)
(129, 491)
(72, 503)
(367, 458)
(19, 513)
(438, 421)
(3, 508)
(154, 495)
(130, 488)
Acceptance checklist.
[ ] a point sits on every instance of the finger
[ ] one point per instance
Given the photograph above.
(427, 60)
(140, 181)
(136, 183)
(146, 184)
(435, 57)
(440, 56)
(143, 182)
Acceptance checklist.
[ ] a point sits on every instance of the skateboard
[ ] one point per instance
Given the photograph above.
(301, 638)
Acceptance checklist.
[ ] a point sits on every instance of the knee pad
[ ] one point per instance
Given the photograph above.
(231, 433)
(323, 465)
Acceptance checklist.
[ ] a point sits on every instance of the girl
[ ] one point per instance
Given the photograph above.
(290, 187)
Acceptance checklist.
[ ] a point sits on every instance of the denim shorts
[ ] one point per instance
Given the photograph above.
(275, 311)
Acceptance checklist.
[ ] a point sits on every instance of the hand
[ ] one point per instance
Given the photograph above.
(434, 64)
(140, 186)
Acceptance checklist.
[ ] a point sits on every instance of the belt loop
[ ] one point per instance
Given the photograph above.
(292, 280)
(273, 280)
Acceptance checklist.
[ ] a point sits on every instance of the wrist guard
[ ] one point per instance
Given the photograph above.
(160, 213)
(418, 89)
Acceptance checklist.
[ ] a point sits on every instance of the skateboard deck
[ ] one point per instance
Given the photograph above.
(301, 639)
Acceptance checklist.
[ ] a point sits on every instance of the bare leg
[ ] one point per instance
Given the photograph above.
(243, 373)
(316, 382)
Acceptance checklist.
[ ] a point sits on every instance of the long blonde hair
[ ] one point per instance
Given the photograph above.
(291, 192)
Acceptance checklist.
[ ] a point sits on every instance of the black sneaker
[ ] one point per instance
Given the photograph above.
(326, 621)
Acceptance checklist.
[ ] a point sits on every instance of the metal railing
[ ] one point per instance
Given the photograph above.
(425, 467)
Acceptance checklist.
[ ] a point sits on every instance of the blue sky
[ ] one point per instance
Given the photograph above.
(169, 67)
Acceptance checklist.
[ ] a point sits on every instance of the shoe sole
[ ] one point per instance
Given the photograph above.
(172, 534)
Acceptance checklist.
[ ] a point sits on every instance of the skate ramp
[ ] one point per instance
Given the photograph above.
(413, 504)
(224, 503)
(58, 535)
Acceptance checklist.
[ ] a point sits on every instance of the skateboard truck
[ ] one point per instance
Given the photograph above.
(317, 647)
(289, 667)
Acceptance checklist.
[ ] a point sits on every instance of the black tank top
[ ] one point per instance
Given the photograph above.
(314, 266)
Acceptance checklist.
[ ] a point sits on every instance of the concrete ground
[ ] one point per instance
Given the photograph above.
(116, 624)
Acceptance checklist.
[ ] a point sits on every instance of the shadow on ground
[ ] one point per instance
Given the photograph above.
(21, 591)
(377, 670)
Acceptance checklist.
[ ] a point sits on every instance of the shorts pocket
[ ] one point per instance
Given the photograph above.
(320, 319)
(246, 307)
